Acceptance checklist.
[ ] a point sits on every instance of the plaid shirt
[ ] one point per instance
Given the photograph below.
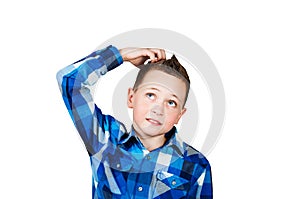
(122, 167)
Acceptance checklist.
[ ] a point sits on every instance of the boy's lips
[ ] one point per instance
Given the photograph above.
(153, 121)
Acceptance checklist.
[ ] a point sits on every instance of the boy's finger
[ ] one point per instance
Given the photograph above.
(151, 55)
(163, 53)
(160, 53)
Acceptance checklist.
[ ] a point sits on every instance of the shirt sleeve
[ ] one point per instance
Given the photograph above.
(202, 188)
(77, 84)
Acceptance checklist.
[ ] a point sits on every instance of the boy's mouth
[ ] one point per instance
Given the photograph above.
(153, 121)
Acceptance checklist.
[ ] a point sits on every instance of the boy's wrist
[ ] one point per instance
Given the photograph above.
(111, 57)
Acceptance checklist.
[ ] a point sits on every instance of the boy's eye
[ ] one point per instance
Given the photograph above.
(150, 96)
(172, 103)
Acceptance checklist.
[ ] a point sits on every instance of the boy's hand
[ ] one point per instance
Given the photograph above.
(138, 56)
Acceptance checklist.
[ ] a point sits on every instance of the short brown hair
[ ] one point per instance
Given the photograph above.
(170, 66)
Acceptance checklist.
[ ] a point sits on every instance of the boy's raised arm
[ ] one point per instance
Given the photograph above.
(77, 82)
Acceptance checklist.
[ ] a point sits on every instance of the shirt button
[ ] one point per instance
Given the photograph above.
(148, 157)
(103, 71)
(118, 165)
(173, 182)
(140, 188)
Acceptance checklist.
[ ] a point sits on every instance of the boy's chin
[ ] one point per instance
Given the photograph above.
(153, 131)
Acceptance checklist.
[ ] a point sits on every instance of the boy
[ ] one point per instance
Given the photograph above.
(149, 161)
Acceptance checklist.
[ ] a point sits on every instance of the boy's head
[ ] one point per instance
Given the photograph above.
(158, 97)
(169, 66)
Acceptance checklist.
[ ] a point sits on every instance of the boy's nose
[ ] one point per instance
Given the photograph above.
(157, 110)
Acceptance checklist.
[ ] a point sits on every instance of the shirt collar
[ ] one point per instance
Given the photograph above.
(172, 140)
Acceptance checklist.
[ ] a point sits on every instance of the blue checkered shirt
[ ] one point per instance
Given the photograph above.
(121, 166)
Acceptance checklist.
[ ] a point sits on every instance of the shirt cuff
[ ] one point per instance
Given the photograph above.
(111, 57)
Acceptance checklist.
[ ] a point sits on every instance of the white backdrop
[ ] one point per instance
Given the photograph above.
(253, 44)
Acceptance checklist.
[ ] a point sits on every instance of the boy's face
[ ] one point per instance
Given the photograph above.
(157, 103)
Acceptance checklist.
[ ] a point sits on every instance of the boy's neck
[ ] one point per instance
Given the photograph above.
(152, 143)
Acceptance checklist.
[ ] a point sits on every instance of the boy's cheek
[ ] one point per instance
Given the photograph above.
(174, 118)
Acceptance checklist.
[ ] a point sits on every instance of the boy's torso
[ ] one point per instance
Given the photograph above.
(128, 170)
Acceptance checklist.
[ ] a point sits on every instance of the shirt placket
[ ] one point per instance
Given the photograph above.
(144, 176)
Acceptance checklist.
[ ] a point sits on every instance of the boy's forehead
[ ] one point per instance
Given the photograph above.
(158, 78)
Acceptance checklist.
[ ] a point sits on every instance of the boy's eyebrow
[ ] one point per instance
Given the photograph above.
(152, 88)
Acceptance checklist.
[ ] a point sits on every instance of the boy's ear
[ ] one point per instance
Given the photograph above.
(130, 98)
(180, 115)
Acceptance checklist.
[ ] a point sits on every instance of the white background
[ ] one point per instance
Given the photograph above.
(254, 45)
